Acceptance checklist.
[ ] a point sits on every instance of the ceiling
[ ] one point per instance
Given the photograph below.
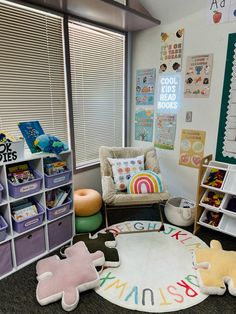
(169, 11)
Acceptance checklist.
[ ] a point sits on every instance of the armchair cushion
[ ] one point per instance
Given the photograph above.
(145, 181)
(123, 168)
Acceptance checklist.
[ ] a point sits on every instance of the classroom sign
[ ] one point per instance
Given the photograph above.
(221, 11)
(168, 97)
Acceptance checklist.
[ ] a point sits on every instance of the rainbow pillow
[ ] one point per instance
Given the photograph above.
(145, 181)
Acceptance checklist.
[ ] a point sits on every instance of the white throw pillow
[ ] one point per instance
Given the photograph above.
(123, 168)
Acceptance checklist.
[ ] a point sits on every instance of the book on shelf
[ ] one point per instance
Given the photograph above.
(31, 130)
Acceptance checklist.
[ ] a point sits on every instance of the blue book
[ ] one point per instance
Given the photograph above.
(31, 130)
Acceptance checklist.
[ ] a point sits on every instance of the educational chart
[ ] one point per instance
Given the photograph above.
(144, 124)
(171, 51)
(165, 130)
(191, 148)
(221, 11)
(198, 76)
(145, 87)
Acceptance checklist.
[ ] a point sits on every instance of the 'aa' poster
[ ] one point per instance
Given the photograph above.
(192, 148)
(221, 11)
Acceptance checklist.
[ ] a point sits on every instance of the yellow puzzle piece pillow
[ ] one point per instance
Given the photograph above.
(215, 268)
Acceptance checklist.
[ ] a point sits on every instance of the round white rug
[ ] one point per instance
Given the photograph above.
(156, 272)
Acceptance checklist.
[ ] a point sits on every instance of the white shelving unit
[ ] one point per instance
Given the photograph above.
(39, 236)
(227, 221)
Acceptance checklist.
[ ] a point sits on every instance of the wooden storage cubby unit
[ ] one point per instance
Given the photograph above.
(226, 221)
(33, 238)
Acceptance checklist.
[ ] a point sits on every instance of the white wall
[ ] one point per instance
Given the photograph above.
(89, 179)
(200, 38)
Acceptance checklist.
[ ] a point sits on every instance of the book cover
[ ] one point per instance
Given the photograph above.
(31, 130)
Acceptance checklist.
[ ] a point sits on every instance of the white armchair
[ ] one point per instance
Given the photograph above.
(113, 198)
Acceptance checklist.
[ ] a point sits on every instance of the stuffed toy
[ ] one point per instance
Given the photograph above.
(65, 279)
(215, 268)
(50, 144)
(104, 242)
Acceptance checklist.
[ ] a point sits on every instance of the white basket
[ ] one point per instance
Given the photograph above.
(177, 215)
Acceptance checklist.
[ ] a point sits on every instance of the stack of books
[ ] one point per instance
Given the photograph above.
(56, 197)
(23, 209)
(20, 173)
(54, 166)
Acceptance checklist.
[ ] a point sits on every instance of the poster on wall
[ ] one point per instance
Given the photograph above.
(165, 130)
(171, 51)
(191, 147)
(221, 11)
(144, 124)
(145, 87)
(169, 91)
(198, 76)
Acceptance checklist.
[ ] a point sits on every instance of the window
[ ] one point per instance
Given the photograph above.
(32, 85)
(97, 76)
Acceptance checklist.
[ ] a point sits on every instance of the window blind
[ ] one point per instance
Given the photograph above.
(97, 76)
(32, 85)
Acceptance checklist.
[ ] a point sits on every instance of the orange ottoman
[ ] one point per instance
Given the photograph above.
(87, 202)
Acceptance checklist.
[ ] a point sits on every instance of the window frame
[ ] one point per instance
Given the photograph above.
(92, 165)
(67, 69)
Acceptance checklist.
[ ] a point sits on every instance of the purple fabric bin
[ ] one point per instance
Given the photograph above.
(29, 223)
(59, 231)
(57, 179)
(60, 210)
(1, 189)
(3, 229)
(6, 259)
(29, 245)
(27, 188)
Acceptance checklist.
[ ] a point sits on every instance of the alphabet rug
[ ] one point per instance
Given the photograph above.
(156, 273)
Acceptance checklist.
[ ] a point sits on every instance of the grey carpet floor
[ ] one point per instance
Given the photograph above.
(17, 292)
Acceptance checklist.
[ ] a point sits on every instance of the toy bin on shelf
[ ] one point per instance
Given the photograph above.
(59, 231)
(6, 258)
(229, 205)
(57, 179)
(212, 199)
(215, 175)
(3, 229)
(228, 225)
(209, 222)
(30, 222)
(1, 190)
(60, 210)
(29, 245)
(27, 188)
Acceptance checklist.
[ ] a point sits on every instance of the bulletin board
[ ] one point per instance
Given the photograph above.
(226, 142)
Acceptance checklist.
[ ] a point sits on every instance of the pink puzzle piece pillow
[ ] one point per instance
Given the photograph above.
(65, 279)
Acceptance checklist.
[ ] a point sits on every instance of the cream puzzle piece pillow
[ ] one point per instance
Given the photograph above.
(215, 268)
